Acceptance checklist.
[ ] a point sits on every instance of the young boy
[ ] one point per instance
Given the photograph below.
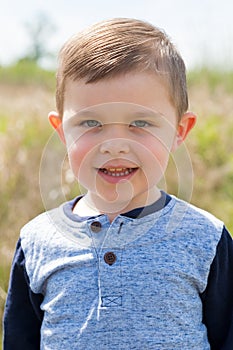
(125, 266)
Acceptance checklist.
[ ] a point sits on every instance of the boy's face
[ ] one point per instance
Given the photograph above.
(119, 133)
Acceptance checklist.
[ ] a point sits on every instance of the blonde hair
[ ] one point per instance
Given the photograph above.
(119, 46)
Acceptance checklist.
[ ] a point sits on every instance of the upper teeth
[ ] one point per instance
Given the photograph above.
(117, 169)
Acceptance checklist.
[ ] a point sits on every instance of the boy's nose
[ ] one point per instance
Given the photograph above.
(115, 146)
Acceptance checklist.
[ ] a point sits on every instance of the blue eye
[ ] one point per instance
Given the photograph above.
(140, 123)
(91, 123)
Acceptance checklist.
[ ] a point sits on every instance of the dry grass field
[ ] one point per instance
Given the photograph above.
(29, 148)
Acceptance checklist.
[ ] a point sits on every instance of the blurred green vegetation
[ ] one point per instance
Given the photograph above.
(213, 77)
(26, 72)
(26, 97)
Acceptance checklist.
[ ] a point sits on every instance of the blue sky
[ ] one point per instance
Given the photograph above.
(201, 29)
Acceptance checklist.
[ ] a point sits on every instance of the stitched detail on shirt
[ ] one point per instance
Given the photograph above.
(109, 301)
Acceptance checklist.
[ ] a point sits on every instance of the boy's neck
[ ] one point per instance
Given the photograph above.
(87, 206)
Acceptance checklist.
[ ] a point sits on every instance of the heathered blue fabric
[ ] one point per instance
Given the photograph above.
(148, 299)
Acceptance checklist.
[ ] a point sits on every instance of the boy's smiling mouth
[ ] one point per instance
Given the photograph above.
(116, 174)
(117, 171)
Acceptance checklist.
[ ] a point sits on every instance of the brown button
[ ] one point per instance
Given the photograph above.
(109, 258)
(96, 226)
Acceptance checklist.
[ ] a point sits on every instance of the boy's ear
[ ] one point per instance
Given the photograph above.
(186, 123)
(56, 122)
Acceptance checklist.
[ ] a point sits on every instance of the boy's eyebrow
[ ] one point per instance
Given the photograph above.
(141, 114)
(86, 113)
(146, 114)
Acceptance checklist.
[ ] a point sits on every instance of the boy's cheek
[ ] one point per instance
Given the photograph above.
(80, 159)
(76, 156)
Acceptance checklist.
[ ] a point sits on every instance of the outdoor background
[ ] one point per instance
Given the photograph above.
(34, 172)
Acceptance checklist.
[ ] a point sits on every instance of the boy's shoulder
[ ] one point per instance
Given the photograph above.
(53, 225)
(196, 212)
(41, 227)
(201, 213)
(186, 214)
(41, 221)
(51, 219)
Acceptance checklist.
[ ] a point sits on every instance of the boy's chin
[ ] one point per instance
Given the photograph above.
(113, 202)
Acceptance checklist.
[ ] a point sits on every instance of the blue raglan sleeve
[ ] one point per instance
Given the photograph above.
(218, 296)
(22, 315)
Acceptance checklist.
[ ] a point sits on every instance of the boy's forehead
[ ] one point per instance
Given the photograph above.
(118, 88)
(132, 93)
